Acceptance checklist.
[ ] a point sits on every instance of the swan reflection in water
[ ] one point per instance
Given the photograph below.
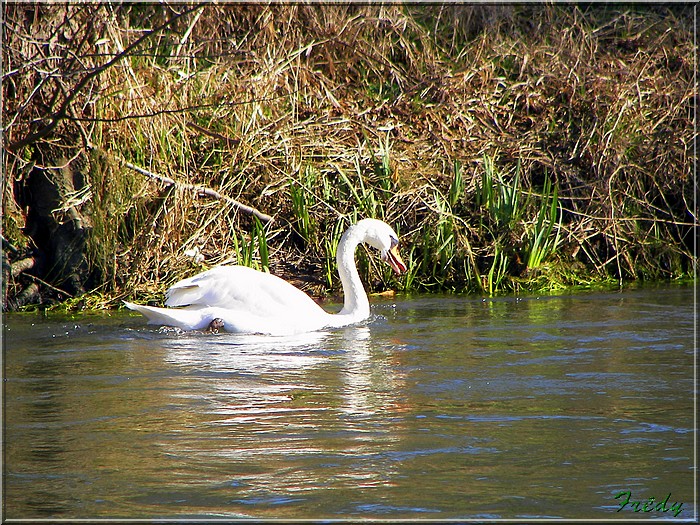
(284, 404)
(264, 369)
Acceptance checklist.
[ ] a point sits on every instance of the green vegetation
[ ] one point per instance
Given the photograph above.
(513, 147)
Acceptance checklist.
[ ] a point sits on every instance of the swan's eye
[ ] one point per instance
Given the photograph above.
(394, 241)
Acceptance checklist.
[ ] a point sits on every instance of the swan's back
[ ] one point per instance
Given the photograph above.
(239, 288)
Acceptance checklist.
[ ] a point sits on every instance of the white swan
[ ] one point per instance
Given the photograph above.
(249, 301)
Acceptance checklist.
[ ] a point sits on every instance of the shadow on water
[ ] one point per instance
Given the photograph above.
(439, 407)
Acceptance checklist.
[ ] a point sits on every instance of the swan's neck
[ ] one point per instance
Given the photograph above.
(355, 302)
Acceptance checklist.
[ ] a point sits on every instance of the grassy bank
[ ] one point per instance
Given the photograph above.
(515, 147)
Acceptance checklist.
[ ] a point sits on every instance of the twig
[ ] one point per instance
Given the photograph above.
(182, 109)
(50, 286)
(201, 191)
(229, 141)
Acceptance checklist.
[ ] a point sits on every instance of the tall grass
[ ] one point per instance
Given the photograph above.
(509, 145)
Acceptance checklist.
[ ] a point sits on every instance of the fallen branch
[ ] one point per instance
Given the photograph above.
(22, 266)
(201, 191)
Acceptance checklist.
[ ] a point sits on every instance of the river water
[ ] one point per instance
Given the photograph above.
(440, 407)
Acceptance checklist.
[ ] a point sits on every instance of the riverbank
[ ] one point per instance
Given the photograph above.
(513, 148)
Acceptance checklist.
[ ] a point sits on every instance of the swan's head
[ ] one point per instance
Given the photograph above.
(381, 236)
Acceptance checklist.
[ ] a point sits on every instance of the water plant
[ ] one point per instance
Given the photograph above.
(522, 224)
(456, 191)
(497, 272)
(260, 236)
(382, 163)
(331, 244)
(302, 196)
(500, 197)
(541, 244)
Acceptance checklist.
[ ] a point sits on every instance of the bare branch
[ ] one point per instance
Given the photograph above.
(201, 191)
(22, 266)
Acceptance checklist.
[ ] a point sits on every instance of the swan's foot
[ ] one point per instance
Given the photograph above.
(215, 325)
(170, 330)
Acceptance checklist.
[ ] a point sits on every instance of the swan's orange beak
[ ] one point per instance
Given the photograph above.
(395, 260)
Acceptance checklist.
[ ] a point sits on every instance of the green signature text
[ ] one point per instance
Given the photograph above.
(649, 505)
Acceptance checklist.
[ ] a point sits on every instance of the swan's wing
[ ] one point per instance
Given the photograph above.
(182, 318)
(244, 289)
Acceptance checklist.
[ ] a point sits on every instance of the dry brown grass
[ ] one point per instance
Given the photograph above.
(357, 110)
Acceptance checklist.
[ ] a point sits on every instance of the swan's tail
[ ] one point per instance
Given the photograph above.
(185, 319)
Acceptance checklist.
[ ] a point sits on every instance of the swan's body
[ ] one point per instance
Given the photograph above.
(249, 301)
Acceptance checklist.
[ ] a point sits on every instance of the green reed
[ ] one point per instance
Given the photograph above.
(540, 244)
(302, 197)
